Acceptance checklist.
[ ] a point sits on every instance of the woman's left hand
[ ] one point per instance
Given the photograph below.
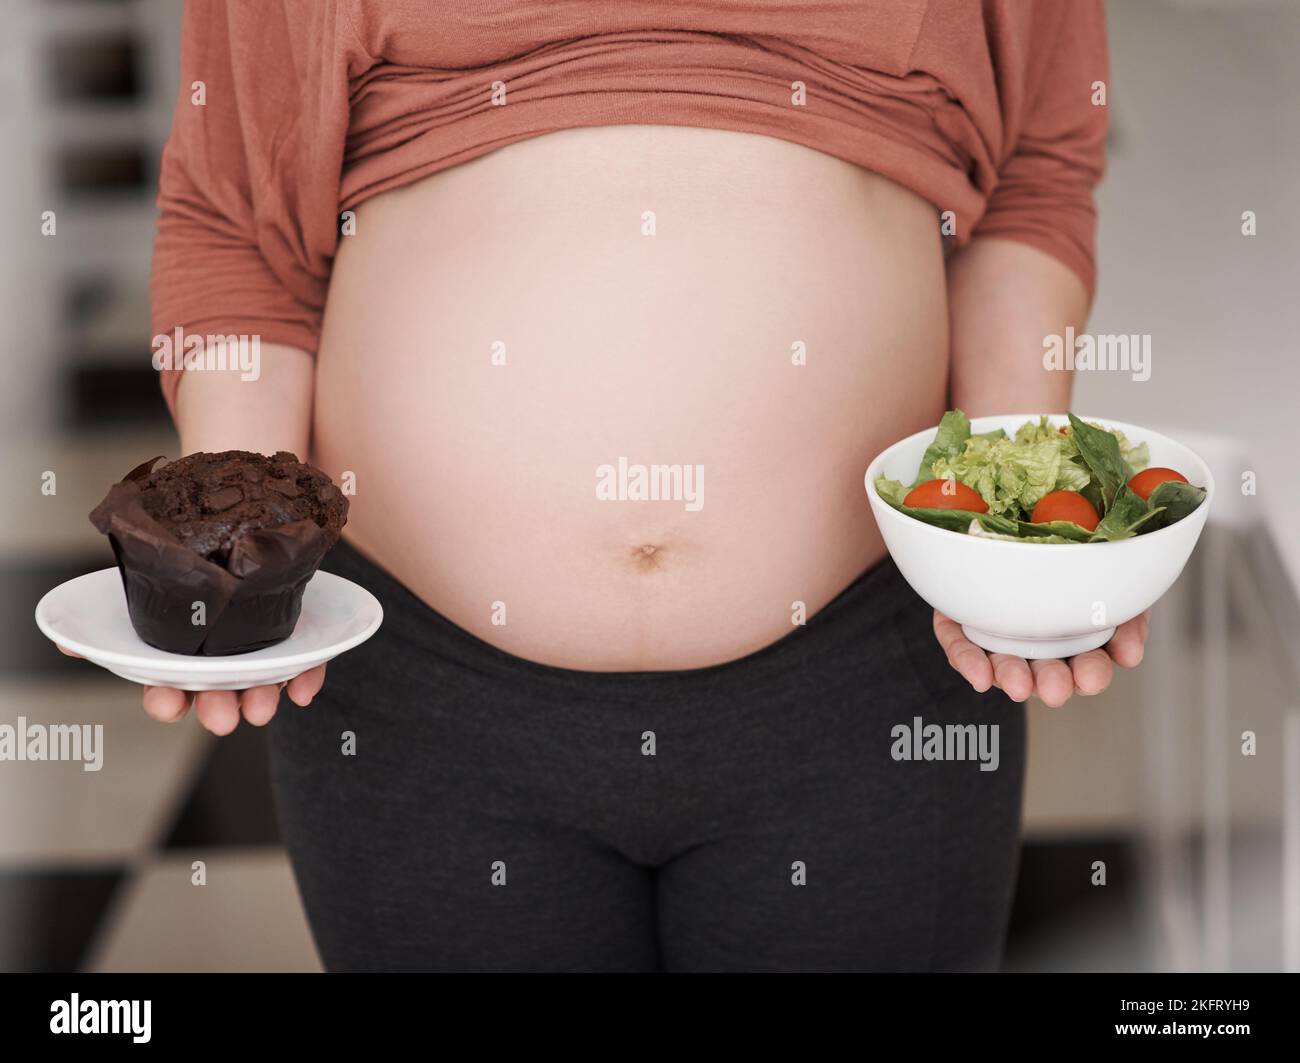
(1053, 681)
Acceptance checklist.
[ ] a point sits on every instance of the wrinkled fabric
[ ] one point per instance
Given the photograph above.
(985, 108)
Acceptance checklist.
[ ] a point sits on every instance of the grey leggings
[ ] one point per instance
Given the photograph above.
(496, 814)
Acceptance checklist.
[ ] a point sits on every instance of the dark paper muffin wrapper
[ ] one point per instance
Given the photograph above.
(254, 602)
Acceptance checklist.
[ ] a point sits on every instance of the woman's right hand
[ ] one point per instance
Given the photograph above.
(223, 411)
(219, 710)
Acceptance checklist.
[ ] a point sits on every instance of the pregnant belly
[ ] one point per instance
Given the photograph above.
(608, 394)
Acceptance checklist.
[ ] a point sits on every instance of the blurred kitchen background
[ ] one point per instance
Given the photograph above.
(1201, 843)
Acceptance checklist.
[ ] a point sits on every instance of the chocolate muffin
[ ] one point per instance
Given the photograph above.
(216, 550)
(209, 501)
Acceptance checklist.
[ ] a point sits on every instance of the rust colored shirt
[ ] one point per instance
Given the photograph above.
(293, 111)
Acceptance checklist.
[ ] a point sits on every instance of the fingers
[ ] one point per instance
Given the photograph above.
(65, 651)
(1092, 671)
(1128, 644)
(217, 710)
(302, 688)
(963, 655)
(166, 704)
(1012, 674)
(1053, 681)
(259, 704)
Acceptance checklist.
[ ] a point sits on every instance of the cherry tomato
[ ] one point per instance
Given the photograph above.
(945, 494)
(1149, 479)
(1065, 505)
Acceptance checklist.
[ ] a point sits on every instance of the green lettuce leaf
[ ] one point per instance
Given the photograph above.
(976, 530)
(1092, 492)
(1013, 476)
(1137, 457)
(1128, 513)
(1037, 431)
(1061, 529)
(1176, 500)
(892, 491)
(949, 440)
(1100, 450)
(958, 520)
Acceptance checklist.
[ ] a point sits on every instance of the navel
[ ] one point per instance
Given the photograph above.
(648, 557)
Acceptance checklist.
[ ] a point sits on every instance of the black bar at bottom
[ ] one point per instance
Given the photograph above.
(336, 1013)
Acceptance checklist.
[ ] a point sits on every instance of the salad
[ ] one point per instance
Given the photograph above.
(1079, 483)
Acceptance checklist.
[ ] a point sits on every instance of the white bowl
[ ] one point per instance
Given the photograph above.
(1037, 600)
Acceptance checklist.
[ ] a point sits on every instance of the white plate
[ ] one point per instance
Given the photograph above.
(88, 616)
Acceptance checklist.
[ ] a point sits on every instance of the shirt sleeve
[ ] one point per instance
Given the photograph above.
(1044, 194)
(244, 239)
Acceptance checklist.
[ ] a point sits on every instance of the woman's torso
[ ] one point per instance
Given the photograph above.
(650, 291)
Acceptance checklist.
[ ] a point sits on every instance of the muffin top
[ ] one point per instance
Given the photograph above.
(209, 500)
